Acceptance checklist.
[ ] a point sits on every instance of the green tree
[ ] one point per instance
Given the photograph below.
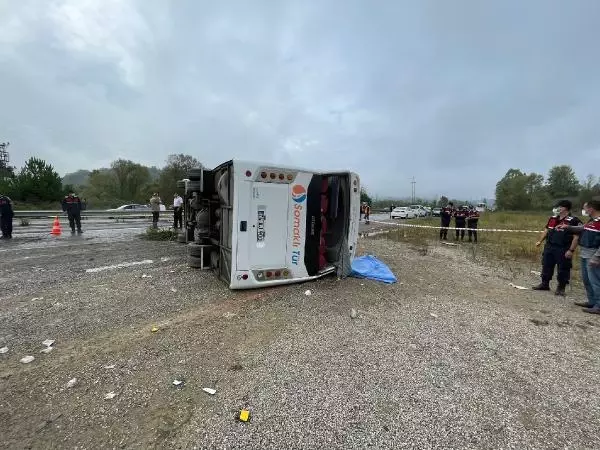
(364, 196)
(177, 168)
(519, 191)
(37, 181)
(124, 182)
(562, 182)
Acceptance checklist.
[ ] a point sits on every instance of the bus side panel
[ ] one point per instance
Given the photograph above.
(297, 225)
(354, 214)
(241, 212)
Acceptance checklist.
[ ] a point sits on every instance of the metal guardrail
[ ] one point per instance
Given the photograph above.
(89, 213)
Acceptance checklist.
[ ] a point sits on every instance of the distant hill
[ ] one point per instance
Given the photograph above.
(81, 177)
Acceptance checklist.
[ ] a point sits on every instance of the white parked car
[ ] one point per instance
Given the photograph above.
(403, 212)
(418, 210)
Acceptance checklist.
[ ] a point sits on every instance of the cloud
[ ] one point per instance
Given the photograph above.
(452, 93)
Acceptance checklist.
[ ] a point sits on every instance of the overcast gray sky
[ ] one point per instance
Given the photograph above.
(452, 92)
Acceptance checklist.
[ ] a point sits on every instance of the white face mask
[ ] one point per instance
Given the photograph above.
(584, 213)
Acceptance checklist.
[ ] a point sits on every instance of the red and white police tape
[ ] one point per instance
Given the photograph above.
(433, 227)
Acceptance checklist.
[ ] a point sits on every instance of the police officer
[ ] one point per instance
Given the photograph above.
(460, 220)
(6, 216)
(559, 248)
(445, 216)
(73, 206)
(472, 222)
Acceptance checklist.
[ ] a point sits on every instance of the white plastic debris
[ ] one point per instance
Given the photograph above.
(173, 290)
(146, 276)
(27, 359)
(307, 292)
(48, 342)
(111, 366)
(229, 315)
(435, 316)
(37, 298)
(535, 272)
(353, 313)
(209, 391)
(110, 396)
(47, 350)
(177, 382)
(72, 382)
(3, 350)
(517, 287)
(165, 258)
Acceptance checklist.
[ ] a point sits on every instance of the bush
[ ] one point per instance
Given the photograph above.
(160, 234)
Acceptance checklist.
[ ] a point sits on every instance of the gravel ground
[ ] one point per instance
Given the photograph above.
(449, 357)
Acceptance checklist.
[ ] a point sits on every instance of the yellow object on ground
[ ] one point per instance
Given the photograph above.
(154, 329)
(244, 415)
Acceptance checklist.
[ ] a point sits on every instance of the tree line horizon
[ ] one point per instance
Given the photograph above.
(37, 183)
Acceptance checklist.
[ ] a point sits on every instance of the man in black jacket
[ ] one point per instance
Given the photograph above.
(6, 216)
(559, 248)
(73, 206)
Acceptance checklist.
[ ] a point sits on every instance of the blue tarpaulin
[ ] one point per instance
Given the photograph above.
(371, 268)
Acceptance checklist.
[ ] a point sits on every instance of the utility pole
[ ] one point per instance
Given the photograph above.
(4, 161)
(413, 182)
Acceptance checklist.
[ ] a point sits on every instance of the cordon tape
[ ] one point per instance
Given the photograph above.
(433, 227)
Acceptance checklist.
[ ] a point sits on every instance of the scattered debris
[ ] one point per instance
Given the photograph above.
(229, 315)
(353, 313)
(109, 367)
(173, 290)
(72, 382)
(244, 415)
(146, 276)
(155, 329)
(3, 350)
(48, 342)
(307, 292)
(177, 382)
(209, 391)
(517, 287)
(27, 359)
(47, 350)
(453, 244)
(535, 272)
(110, 396)
(539, 322)
(435, 316)
(236, 367)
(165, 258)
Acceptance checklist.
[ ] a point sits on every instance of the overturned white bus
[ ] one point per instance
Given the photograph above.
(260, 225)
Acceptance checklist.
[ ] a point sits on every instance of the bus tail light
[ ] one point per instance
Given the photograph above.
(271, 274)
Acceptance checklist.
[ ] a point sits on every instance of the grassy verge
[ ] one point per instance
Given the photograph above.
(160, 234)
(509, 249)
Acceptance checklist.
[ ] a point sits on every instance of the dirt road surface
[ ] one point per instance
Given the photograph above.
(450, 356)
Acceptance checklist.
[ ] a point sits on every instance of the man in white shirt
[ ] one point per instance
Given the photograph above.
(177, 211)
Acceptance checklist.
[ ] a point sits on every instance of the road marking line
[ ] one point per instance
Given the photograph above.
(119, 266)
